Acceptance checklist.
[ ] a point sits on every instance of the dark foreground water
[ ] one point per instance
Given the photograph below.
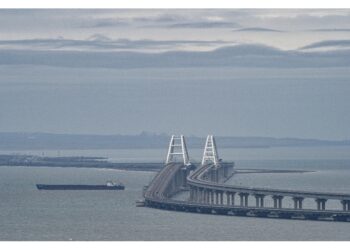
(29, 214)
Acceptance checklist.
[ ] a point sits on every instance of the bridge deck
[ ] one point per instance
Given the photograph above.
(156, 196)
(195, 179)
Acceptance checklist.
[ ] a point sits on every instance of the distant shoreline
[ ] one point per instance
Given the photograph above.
(50, 141)
(74, 161)
(102, 163)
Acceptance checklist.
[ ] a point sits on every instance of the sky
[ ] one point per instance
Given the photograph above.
(279, 73)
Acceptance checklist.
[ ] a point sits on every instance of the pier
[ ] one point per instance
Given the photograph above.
(208, 192)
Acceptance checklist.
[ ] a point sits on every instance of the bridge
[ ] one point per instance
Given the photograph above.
(209, 193)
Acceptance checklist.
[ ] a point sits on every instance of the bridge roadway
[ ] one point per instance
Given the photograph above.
(197, 180)
(158, 188)
(158, 195)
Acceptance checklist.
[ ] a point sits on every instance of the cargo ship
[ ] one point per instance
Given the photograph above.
(108, 186)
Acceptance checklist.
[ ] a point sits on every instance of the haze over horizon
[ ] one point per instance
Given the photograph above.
(270, 73)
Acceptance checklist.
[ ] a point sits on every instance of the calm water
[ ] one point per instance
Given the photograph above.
(29, 214)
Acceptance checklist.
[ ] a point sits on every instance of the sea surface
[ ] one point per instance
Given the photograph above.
(29, 214)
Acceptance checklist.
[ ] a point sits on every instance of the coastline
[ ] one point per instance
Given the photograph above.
(103, 163)
(75, 161)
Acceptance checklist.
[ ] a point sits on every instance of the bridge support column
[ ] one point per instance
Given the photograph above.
(346, 205)
(195, 193)
(321, 203)
(200, 195)
(203, 195)
(228, 198)
(221, 197)
(277, 201)
(198, 191)
(298, 202)
(232, 199)
(259, 200)
(212, 196)
(216, 196)
(206, 196)
(244, 199)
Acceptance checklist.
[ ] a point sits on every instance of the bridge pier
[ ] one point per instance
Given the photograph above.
(244, 199)
(195, 194)
(277, 201)
(346, 205)
(259, 200)
(298, 202)
(221, 197)
(216, 194)
(228, 198)
(208, 196)
(321, 203)
(212, 194)
(200, 195)
(205, 196)
(232, 199)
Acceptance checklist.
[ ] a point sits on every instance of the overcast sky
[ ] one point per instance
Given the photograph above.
(282, 73)
(285, 29)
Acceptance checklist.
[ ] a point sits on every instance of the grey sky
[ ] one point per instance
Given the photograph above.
(180, 25)
(272, 72)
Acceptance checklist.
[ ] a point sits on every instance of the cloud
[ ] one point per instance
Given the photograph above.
(234, 56)
(101, 42)
(328, 44)
(330, 30)
(103, 22)
(204, 25)
(99, 37)
(174, 19)
(256, 29)
(162, 18)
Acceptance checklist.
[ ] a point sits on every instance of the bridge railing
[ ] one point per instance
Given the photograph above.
(205, 191)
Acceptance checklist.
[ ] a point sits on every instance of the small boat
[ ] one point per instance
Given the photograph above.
(108, 186)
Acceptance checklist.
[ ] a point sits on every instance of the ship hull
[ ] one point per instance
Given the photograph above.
(78, 187)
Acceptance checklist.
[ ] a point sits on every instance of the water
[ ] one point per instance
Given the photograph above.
(29, 214)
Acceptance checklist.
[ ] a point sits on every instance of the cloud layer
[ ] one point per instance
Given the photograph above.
(329, 43)
(100, 42)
